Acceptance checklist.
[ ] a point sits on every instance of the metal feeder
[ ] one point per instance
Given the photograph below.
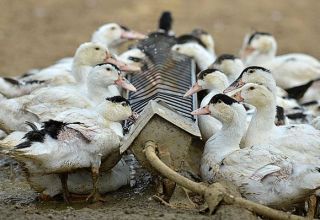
(165, 115)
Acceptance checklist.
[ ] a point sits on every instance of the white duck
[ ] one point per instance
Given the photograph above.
(73, 140)
(46, 103)
(230, 65)
(112, 35)
(206, 38)
(262, 76)
(298, 141)
(262, 173)
(214, 81)
(289, 70)
(194, 48)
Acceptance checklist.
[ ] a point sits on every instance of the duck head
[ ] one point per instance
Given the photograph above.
(106, 74)
(254, 94)
(113, 34)
(117, 109)
(133, 57)
(253, 74)
(257, 44)
(91, 54)
(205, 37)
(222, 107)
(229, 64)
(208, 79)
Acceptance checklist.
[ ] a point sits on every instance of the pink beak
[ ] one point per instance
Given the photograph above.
(124, 83)
(246, 52)
(235, 85)
(201, 111)
(237, 96)
(195, 88)
(123, 66)
(132, 35)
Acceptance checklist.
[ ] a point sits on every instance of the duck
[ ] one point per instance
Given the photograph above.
(263, 173)
(206, 38)
(230, 65)
(191, 46)
(214, 81)
(263, 76)
(289, 70)
(86, 56)
(74, 139)
(298, 141)
(46, 103)
(112, 35)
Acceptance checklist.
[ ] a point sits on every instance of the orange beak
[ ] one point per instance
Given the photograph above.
(122, 66)
(194, 89)
(237, 96)
(201, 111)
(124, 83)
(235, 85)
(246, 52)
(132, 35)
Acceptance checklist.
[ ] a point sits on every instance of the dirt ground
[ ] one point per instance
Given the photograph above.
(34, 34)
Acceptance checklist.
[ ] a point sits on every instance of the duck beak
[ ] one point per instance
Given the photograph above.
(123, 66)
(201, 111)
(247, 51)
(235, 85)
(132, 35)
(124, 83)
(237, 96)
(194, 89)
(133, 118)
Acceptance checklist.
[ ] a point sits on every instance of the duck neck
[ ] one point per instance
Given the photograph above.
(115, 126)
(261, 125)
(98, 91)
(203, 58)
(80, 71)
(227, 140)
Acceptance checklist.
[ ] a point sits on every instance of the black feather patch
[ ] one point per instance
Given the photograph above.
(280, 116)
(115, 66)
(255, 34)
(223, 98)
(165, 21)
(223, 57)
(125, 28)
(203, 73)
(310, 103)
(298, 92)
(118, 99)
(53, 128)
(198, 32)
(12, 81)
(187, 38)
(34, 82)
(32, 136)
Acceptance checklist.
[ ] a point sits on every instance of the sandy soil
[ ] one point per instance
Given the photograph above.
(35, 33)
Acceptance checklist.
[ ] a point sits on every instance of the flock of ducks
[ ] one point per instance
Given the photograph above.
(259, 119)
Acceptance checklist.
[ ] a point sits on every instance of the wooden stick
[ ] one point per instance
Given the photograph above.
(214, 193)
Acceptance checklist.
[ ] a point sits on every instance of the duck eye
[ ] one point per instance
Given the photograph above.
(251, 71)
(123, 104)
(113, 28)
(251, 88)
(108, 69)
(134, 59)
(97, 48)
(219, 101)
(178, 48)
